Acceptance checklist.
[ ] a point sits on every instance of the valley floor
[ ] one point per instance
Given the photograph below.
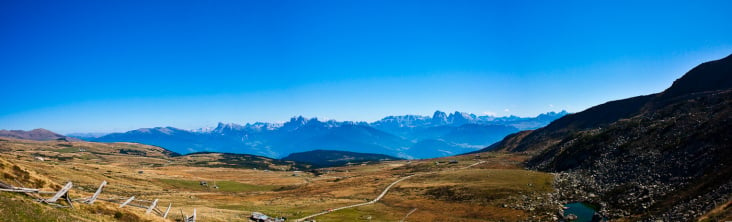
(490, 187)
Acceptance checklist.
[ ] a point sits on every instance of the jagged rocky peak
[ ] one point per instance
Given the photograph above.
(300, 121)
(552, 115)
(295, 122)
(460, 118)
(439, 118)
(404, 118)
(403, 121)
(331, 123)
(260, 126)
(227, 127)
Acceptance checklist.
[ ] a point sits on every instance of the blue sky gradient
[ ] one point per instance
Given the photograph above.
(104, 66)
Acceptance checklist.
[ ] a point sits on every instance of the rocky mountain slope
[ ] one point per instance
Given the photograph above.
(661, 156)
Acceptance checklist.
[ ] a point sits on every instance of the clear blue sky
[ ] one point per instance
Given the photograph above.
(104, 66)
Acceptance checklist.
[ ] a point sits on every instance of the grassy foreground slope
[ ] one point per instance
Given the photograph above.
(443, 189)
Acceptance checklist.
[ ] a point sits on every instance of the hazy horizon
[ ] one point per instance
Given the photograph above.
(78, 67)
(283, 121)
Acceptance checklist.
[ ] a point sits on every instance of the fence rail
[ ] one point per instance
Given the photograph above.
(150, 206)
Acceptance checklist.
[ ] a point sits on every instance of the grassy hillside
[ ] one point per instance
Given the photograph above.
(496, 189)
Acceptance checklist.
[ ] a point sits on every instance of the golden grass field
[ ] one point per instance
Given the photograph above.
(439, 191)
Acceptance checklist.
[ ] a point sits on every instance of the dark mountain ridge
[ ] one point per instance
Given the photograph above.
(661, 156)
(709, 76)
(328, 158)
(36, 134)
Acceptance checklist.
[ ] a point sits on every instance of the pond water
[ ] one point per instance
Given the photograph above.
(583, 211)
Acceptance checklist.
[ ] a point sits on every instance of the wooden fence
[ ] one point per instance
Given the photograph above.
(149, 206)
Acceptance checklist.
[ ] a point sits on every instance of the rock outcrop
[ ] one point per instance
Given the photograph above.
(661, 156)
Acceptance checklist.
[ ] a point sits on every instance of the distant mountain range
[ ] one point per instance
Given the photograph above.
(664, 156)
(36, 134)
(408, 136)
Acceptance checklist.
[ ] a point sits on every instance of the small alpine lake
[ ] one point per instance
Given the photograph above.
(583, 211)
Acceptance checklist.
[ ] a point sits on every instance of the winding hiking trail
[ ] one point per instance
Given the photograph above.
(472, 165)
(383, 193)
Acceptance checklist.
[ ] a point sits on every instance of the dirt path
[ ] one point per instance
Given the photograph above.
(472, 165)
(383, 193)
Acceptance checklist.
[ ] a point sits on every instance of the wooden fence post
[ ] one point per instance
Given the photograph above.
(154, 203)
(60, 193)
(96, 194)
(168, 210)
(186, 218)
(68, 199)
(127, 201)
